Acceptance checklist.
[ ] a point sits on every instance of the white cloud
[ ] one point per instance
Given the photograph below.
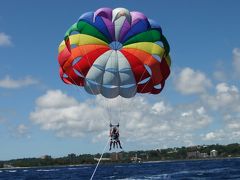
(229, 133)
(5, 40)
(191, 82)
(192, 118)
(160, 108)
(214, 136)
(227, 97)
(139, 119)
(232, 121)
(8, 82)
(234, 125)
(66, 116)
(21, 129)
(236, 60)
(18, 131)
(226, 103)
(55, 99)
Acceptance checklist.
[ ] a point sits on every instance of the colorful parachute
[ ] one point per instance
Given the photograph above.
(115, 52)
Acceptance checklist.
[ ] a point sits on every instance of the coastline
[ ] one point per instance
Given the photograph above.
(119, 162)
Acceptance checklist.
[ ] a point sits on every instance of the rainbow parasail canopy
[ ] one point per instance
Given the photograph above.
(115, 52)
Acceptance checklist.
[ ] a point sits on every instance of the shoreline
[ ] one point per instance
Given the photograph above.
(145, 162)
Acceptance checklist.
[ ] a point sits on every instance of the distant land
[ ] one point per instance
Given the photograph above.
(177, 153)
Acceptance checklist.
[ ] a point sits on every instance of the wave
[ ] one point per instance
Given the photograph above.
(119, 166)
(11, 171)
(47, 170)
(183, 173)
(160, 176)
(75, 168)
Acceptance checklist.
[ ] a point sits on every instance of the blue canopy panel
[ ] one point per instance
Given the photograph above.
(141, 26)
(155, 25)
(98, 23)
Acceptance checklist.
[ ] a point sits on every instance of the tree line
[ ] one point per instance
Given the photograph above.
(176, 153)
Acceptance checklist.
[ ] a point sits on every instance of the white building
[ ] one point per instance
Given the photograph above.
(213, 153)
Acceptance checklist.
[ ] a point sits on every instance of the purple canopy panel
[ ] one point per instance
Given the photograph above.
(104, 12)
(136, 16)
(110, 27)
(125, 28)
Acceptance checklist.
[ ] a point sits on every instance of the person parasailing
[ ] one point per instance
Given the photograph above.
(114, 136)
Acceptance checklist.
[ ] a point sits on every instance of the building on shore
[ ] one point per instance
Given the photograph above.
(136, 159)
(7, 166)
(213, 153)
(204, 155)
(45, 157)
(196, 154)
(116, 156)
(103, 159)
(193, 154)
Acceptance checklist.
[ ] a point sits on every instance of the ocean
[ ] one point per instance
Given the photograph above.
(197, 169)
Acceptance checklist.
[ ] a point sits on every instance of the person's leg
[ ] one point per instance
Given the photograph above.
(110, 146)
(114, 143)
(119, 144)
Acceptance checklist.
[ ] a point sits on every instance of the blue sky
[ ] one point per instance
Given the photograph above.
(199, 105)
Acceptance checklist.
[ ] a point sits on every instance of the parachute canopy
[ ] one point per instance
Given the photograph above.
(115, 52)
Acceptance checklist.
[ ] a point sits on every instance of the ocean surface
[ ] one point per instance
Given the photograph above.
(198, 169)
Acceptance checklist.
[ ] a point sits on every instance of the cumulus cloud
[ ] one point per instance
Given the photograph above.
(189, 81)
(230, 132)
(160, 108)
(214, 136)
(236, 60)
(55, 99)
(66, 116)
(5, 40)
(232, 121)
(192, 118)
(139, 119)
(232, 128)
(226, 103)
(226, 97)
(9, 83)
(235, 125)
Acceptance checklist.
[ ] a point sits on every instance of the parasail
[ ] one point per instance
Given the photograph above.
(115, 52)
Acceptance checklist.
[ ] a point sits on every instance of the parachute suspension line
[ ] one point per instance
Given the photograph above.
(121, 109)
(131, 101)
(109, 110)
(106, 108)
(95, 103)
(79, 88)
(106, 101)
(107, 139)
(99, 160)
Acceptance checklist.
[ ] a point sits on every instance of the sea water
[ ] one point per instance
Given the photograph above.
(197, 169)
